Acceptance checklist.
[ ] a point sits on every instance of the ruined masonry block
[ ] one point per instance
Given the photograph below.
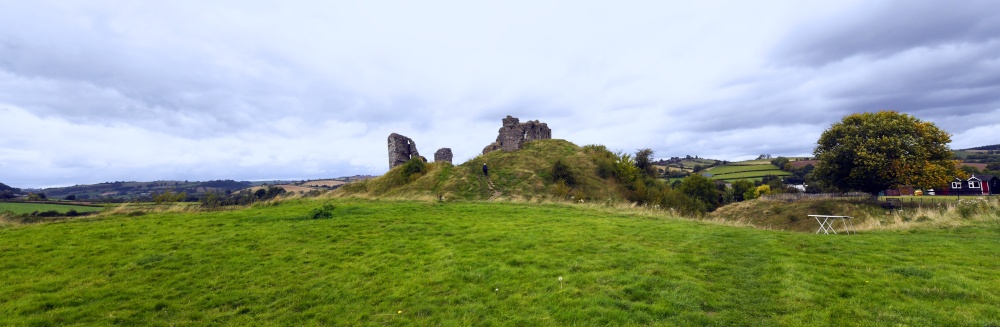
(443, 155)
(401, 149)
(513, 134)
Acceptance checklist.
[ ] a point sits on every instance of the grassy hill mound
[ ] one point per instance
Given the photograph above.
(793, 216)
(526, 174)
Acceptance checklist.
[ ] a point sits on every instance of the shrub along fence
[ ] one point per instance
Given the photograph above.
(936, 199)
(791, 197)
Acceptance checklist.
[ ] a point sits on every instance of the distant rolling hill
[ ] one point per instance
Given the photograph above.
(995, 147)
(133, 190)
(979, 157)
(124, 190)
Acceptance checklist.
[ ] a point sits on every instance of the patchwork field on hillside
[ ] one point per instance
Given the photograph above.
(742, 170)
(379, 262)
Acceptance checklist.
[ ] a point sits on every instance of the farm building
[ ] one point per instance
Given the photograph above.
(975, 185)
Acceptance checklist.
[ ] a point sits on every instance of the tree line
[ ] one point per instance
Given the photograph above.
(867, 152)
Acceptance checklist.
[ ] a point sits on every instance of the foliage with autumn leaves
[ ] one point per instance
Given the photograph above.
(871, 152)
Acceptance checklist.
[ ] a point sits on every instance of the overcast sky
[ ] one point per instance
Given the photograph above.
(95, 91)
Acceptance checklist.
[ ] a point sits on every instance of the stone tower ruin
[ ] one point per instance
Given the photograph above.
(401, 150)
(443, 155)
(513, 134)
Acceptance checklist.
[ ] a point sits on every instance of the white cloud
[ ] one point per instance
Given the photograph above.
(48, 151)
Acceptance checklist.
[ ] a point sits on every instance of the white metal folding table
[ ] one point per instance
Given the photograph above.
(826, 223)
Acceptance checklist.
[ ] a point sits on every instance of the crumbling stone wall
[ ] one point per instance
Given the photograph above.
(513, 134)
(443, 155)
(401, 149)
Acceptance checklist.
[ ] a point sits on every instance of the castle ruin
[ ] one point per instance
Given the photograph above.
(443, 155)
(511, 137)
(401, 150)
(513, 134)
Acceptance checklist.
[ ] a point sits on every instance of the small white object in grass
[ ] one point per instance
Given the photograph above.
(560, 282)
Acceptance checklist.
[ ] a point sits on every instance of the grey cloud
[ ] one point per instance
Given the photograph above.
(161, 100)
(525, 108)
(934, 60)
(181, 86)
(890, 28)
(933, 85)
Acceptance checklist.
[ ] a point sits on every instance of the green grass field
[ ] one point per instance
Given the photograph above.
(379, 262)
(763, 161)
(690, 163)
(752, 162)
(750, 175)
(22, 207)
(742, 170)
(720, 170)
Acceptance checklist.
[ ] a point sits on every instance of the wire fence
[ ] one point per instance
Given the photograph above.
(887, 202)
(934, 199)
(790, 197)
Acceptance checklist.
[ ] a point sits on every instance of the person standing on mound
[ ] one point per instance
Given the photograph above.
(486, 171)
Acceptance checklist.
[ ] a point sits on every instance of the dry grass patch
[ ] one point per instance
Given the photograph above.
(793, 216)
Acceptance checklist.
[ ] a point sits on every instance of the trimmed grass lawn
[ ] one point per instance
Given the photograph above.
(27, 207)
(419, 263)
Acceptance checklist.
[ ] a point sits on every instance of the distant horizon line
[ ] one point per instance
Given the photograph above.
(189, 181)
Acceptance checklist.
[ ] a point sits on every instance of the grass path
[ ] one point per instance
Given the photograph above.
(415, 263)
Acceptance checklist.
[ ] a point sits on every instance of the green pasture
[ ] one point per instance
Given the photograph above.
(752, 179)
(380, 262)
(752, 162)
(961, 154)
(690, 163)
(29, 207)
(750, 174)
(738, 171)
(728, 169)
(764, 161)
(670, 168)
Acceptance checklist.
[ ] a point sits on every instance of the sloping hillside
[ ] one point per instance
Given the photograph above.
(525, 174)
(745, 170)
(994, 147)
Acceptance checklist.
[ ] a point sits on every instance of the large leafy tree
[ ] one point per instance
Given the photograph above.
(740, 187)
(700, 188)
(644, 161)
(871, 152)
(7, 192)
